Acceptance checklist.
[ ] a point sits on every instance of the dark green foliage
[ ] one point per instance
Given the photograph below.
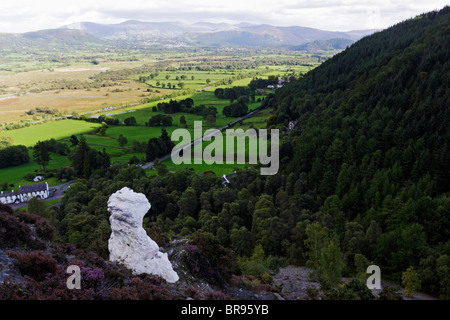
(57, 147)
(174, 106)
(203, 111)
(41, 154)
(235, 110)
(231, 93)
(370, 149)
(260, 83)
(159, 120)
(86, 160)
(122, 140)
(351, 290)
(131, 121)
(13, 156)
(158, 147)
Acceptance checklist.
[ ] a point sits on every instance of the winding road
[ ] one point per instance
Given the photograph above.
(149, 165)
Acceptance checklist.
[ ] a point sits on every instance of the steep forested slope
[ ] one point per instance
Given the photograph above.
(371, 149)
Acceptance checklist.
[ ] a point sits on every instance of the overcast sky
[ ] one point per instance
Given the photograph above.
(335, 15)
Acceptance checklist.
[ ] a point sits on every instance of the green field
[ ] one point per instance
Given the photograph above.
(197, 79)
(15, 175)
(65, 128)
(144, 112)
(218, 169)
(101, 140)
(256, 121)
(56, 129)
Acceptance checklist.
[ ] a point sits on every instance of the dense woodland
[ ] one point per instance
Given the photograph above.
(369, 159)
(364, 176)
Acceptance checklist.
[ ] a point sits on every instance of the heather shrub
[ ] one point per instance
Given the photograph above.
(13, 232)
(54, 287)
(92, 278)
(116, 275)
(36, 264)
(193, 293)
(197, 263)
(148, 288)
(216, 295)
(27, 217)
(60, 252)
(44, 229)
(94, 260)
(205, 257)
(6, 208)
(9, 290)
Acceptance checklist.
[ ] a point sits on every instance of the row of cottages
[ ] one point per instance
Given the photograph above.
(25, 193)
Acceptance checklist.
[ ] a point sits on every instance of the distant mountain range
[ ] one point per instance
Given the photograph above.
(200, 33)
(214, 34)
(52, 38)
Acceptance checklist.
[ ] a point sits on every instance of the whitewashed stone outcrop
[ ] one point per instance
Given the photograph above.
(129, 244)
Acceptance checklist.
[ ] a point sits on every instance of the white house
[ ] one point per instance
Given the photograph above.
(292, 124)
(25, 193)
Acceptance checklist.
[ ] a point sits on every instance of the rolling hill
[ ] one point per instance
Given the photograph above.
(213, 34)
(200, 33)
(51, 38)
(324, 45)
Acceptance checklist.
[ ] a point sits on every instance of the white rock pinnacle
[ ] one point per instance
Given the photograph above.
(129, 243)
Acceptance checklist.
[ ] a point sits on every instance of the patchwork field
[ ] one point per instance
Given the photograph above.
(81, 87)
(52, 130)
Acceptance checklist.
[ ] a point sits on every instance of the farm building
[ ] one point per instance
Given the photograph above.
(25, 193)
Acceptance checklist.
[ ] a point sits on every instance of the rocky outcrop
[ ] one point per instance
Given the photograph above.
(129, 244)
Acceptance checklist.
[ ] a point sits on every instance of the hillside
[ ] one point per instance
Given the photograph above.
(213, 34)
(324, 45)
(370, 156)
(267, 35)
(47, 39)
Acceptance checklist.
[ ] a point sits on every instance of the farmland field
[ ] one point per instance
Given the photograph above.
(114, 88)
(78, 85)
(56, 129)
